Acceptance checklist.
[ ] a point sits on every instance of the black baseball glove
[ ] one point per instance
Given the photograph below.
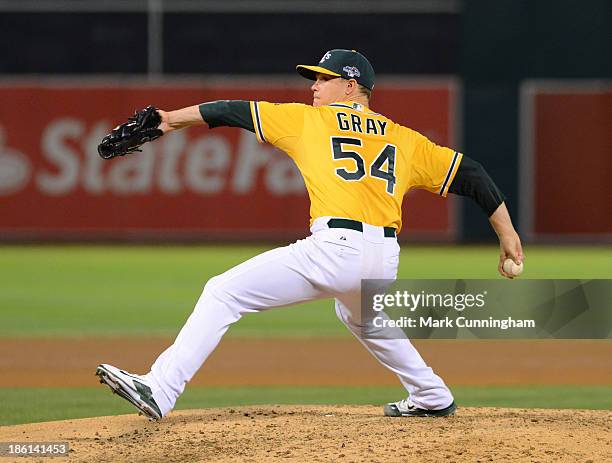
(131, 135)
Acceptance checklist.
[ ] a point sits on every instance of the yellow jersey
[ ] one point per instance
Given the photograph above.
(356, 164)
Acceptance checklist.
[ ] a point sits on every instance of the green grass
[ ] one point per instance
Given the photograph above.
(121, 290)
(127, 291)
(38, 404)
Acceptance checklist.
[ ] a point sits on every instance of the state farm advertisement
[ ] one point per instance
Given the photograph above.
(196, 183)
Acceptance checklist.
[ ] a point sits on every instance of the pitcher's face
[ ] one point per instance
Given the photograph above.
(328, 89)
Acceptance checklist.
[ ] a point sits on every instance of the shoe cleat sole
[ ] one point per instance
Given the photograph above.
(116, 388)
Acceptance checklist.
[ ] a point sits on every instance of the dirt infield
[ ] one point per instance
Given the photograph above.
(331, 433)
(322, 362)
(322, 433)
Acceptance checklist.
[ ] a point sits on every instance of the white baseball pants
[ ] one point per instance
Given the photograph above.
(329, 263)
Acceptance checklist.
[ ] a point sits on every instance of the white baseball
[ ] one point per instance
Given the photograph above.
(511, 268)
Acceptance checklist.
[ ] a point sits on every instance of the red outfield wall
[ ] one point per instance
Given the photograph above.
(195, 183)
(566, 160)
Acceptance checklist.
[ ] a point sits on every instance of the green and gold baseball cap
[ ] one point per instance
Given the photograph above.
(348, 64)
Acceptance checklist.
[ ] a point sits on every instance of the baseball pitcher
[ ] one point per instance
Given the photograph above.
(357, 166)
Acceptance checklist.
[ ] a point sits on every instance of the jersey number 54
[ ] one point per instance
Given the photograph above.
(386, 156)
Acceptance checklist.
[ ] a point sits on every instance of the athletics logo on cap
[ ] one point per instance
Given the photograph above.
(351, 71)
(348, 64)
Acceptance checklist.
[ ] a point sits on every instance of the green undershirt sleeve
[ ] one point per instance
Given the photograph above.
(473, 181)
(227, 113)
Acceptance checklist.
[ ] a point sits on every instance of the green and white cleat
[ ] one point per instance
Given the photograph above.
(133, 388)
(406, 408)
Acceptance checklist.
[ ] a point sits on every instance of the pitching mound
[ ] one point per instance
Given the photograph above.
(331, 433)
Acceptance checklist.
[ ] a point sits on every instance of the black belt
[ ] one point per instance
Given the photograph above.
(358, 226)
